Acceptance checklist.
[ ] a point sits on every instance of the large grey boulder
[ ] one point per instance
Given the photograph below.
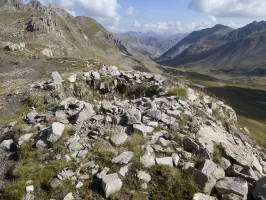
(133, 116)
(55, 132)
(123, 158)
(232, 185)
(209, 168)
(86, 113)
(111, 184)
(200, 196)
(259, 189)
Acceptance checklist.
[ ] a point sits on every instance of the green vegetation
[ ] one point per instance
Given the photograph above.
(33, 165)
(182, 93)
(170, 183)
(145, 88)
(217, 154)
(184, 121)
(177, 136)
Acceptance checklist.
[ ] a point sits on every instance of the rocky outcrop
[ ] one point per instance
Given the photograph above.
(125, 135)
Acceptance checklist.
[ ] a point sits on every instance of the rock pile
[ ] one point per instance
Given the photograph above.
(172, 132)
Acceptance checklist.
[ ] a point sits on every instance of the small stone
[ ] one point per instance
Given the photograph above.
(41, 143)
(124, 170)
(133, 116)
(103, 173)
(119, 139)
(24, 138)
(200, 196)
(147, 160)
(72, 78)
(29, 188)
(6, 145)
(55, 183)
(69, 196)
(164, 142)
(165, 161)
(57, 78)
(79, 185)
(176, 159)
(123, 158)
(142, 175)
(140, 128)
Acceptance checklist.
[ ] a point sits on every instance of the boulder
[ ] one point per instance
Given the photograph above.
(111, 184)
(55, 132)
(200, 196)
(176, 159)
(155, 114)
(225, 163)
(190, 145)
(259, 189)
(133, 116)
(232, 185)
(209, 168)
(123, 158)
(165, 161)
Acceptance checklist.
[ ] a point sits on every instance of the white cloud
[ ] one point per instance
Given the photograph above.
(130, 11)
(105, 11)
(173, 27)
(231, 8)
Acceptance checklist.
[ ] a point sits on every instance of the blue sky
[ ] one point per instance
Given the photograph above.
(166, 16)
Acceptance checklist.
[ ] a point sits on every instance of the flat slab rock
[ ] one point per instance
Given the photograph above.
(123, 158)
(200, 196)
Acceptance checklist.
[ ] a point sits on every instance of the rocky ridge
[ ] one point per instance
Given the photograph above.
(117, 134)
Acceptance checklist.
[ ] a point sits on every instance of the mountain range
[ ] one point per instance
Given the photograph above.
(149, 44)
(53, 32)
(221, 50)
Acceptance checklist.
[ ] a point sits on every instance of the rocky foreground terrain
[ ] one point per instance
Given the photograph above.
(112, 134)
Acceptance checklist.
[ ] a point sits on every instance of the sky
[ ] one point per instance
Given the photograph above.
(166, 16)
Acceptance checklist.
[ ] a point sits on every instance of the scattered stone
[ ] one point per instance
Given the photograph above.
(24, 138)
(200, 196)
(119, 139)
(123, 158)
(57, 78)
(55, 132)
(69, 196)
(6, 145)
(176, 159)
(234, 185)
(72, 78)
(142, 175)
(55, 183)
(147, 160)
(140, 128)
(209, 168)
(30, 188)
(133, 116)
(111, 184)
(124, 170)
(86, 113)
(165, 161)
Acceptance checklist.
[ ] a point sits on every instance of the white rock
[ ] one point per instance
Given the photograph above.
(103, 173)
(165, 161)
(176, 159)
(6, 145)
(57, 78)
(140, 128)
(72, 78)
(24, 138)
(79, 185)
(111, 184)
(164, 142)
(142, 175)
(123, 158)
(29, 188)
(124, 170)
(41, 144)
(200, 196)
(55, 132)
(147, 160)
(86, 113)
(119, 139)
(69, 196)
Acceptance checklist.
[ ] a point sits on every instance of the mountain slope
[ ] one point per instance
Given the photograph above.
(149, 44)
(198, 42)
(53, 32)
(242, 54)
